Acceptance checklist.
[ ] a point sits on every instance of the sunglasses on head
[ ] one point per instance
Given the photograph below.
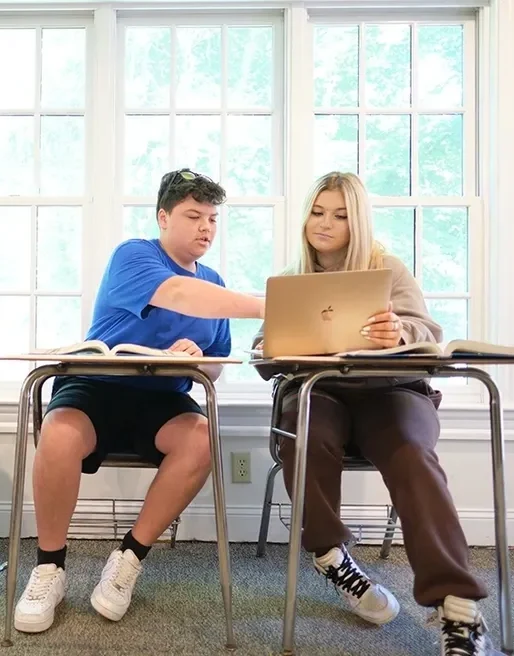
(185, 174)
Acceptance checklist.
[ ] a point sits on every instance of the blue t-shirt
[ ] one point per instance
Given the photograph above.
(123, 314)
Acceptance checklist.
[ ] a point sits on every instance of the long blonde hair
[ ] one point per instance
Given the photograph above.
(363, 251)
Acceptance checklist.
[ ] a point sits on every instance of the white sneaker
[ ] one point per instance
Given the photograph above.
(463, 629)
(35, 611)
(370, 601)
(111, 597)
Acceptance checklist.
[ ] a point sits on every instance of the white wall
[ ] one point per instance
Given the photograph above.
(464, 450)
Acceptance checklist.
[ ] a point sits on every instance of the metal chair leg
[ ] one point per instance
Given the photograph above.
(174, 531)
(389, 534)
(266, 509)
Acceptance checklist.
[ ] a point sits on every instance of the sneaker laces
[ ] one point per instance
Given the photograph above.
(124, 575)
(461, 638)
(40, 585)
(347, 576)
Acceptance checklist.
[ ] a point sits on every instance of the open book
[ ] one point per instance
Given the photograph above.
(99, 347)
(454, 348)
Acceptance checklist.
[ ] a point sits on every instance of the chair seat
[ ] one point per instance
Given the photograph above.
(127, 459)
(357, 463)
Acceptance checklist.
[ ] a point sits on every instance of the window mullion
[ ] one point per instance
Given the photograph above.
(33, 274)
(469, 125)
(414, 121)
(37, 110)
(299, 109)
(361, 134)
(173, 104)
(223, 236)
(102, 217)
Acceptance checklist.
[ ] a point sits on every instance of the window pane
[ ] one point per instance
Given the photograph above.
(14, 334)
(199, 67)
(388, 65)
(147, 67)
(440, 66)
(249, 155)
(140, 223)
(452, 315)
(14, 262)
(197, 144)
(59, 232)
(250, 67)
(249, 247)
(16, 155)
(63, 81)
(394, 229)
(146, 153)
(57, 321)
(388, 155)
(336, 141)
(445, 249)
(336, 66)
(440, 155)
(243, 331)
(62, 155)
(17, 83)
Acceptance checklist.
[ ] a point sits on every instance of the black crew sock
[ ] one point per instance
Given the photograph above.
(130, 542)
(48, 557)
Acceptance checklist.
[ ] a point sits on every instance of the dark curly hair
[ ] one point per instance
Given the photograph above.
(176, 186)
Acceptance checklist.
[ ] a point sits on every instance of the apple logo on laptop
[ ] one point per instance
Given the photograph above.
(327, 313)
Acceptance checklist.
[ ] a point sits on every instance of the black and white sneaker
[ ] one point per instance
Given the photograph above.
(463, 629)
(370, 601)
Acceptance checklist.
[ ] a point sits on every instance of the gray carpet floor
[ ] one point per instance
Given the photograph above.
(177, 608)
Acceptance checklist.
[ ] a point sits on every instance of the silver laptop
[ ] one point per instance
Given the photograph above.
(322, 313)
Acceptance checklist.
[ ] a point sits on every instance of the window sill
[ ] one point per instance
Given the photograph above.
(250, 418)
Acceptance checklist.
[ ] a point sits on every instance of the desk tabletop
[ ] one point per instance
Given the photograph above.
(399, 361)
(100, 360)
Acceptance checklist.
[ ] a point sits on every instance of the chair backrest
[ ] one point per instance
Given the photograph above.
(127, 459)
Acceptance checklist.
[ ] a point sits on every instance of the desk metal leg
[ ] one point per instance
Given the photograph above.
(500, 510)
(297, 503)
(17, 502)
(33, 383)
(220, 509)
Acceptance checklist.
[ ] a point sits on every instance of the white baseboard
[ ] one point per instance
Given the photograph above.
(197, 522)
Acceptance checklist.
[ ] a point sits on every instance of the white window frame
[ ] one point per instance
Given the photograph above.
(9, 390)
(497, 134)
(458, 393)
(173, 19)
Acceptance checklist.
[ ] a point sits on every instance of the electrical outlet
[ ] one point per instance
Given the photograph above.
(241, 468)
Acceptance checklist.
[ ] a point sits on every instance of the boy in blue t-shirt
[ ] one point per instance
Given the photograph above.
(155, 293)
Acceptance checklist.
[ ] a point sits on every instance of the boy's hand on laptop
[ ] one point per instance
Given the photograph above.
(187, 346)
(384, 329)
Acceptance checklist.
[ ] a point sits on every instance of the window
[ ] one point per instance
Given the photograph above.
(43, 123)
(395, 102)
(206, 93)
(391, 97)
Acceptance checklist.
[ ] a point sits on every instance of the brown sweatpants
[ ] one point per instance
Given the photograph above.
(397, 429)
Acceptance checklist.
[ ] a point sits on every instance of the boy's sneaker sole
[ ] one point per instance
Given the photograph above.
(26, 626)
(108, 613)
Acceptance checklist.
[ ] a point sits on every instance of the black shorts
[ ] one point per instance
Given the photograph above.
(126, 419)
